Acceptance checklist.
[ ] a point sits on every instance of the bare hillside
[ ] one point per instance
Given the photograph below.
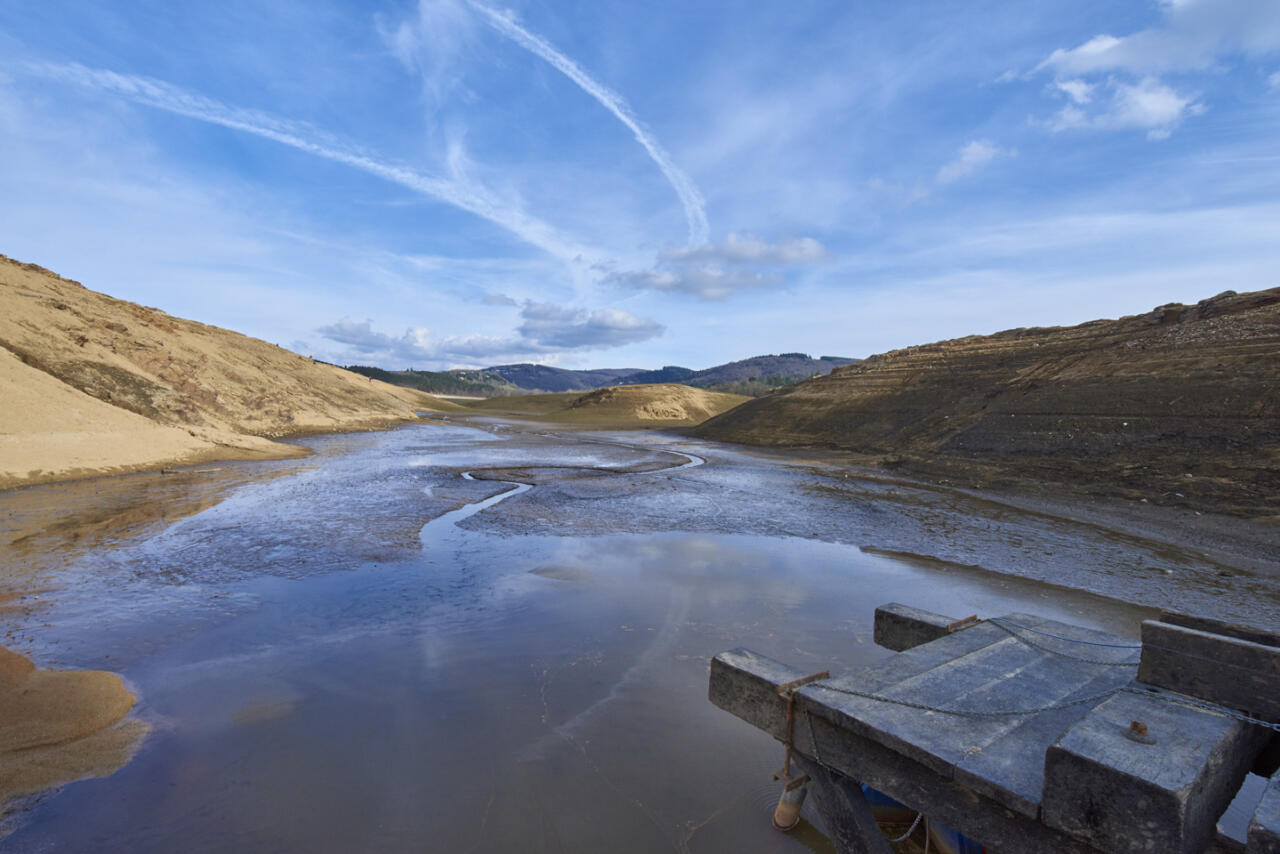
(91, 384)
(1177, 406)
(656, 405)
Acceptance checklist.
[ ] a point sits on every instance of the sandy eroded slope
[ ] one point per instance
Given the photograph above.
(92, 384)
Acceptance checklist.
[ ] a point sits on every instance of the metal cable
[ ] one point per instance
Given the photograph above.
(1001, 621)
(910, 830)
(1183, 699)
(1109, 663)
(971, 713)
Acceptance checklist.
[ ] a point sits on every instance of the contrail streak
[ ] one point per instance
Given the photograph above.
(460, 194)
(690, 198)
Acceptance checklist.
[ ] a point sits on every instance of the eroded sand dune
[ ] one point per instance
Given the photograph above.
(665, 402)
(618, 407)
(90, 384)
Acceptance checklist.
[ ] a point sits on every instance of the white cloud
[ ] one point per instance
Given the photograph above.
(546, 330)
(1274, 80)
(1078, 91)
(717, 271)
(1192, 35)
(704, 282)
(971, 158)
(550, 326)
(1146, 105)
(747, 249)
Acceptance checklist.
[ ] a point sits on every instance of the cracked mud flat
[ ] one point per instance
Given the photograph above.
(365, 650)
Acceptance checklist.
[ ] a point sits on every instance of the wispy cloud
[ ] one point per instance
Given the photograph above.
(1192, 34)
(418, 44)
(546, 330)
(970, 159)
(549, 326)
(456, 190)
(694, 206)
(747, 249)
(718, 271)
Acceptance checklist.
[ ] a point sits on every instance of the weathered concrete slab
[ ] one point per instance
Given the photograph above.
(1124, 795)
(1264, 830)
(1230, 671)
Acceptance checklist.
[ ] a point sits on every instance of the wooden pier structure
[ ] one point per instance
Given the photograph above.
(1031, 735)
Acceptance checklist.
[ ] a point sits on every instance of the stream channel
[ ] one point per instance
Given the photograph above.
(481, 637)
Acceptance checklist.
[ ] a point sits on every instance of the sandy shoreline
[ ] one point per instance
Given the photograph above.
(65, 456)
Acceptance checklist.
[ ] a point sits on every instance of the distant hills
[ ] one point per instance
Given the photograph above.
(751, 377)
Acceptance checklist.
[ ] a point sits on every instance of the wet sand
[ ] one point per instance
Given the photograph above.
(367, 651)
(60, 725)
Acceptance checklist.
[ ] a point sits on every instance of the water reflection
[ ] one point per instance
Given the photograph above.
(327, 669)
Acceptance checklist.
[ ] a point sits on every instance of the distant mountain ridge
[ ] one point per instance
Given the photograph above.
(753, 376)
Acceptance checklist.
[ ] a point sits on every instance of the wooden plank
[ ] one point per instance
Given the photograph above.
(927, 656)
(901, 627)
(851, 824)
(1127, 796)
(1216, 627)
(915, 785)
(746, 684)
(1264, 830)
(1006, 675)
(1229, 671)
(1003, 768)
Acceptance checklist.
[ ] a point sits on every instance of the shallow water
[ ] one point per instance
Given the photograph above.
(366, 650)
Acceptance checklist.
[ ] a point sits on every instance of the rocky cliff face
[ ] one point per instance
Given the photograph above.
(1180, 405)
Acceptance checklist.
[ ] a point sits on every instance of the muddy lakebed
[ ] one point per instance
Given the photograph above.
(486, 637)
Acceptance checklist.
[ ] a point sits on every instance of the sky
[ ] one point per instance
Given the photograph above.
(458, 183)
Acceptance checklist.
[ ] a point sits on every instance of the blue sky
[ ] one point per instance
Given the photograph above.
(449, 183)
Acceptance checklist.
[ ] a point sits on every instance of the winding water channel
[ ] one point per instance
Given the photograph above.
(482, 638)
